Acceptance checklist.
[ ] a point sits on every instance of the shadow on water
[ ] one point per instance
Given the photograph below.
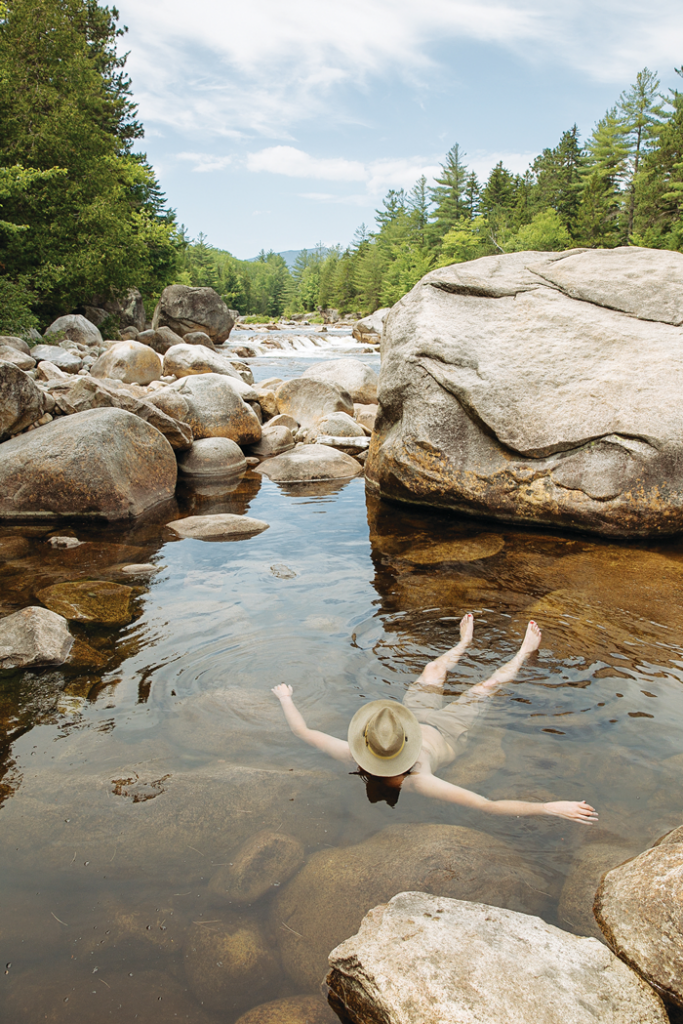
(135, 781)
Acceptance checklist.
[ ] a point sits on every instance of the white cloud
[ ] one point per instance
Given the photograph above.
(260, 67)
(206, 162)
(296, 164)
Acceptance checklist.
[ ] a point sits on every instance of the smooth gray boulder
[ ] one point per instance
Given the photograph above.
(351, 375)
(212, 456)
(639, 907)
(64, 360)
(102, 463)
(537, 388)
(274, 441)
(34, 636)
(129, 361)
(215, 409)
(340, 424)
(310, 462)
(220, 526)
(76, 328)
(9, 354)
(422, 958)
(306, 400)
(188, 360)
(21, 401)
(198, 338)
(186, 310)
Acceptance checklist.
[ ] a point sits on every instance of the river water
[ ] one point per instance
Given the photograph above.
(129, 782)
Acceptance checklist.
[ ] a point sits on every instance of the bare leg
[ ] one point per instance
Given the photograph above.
(434, 675)
(506, 673)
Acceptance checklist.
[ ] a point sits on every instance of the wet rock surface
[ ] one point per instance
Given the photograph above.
(34, 636)
(220, 526)
(90, 601)
(441, 961)
(230, 965)
(639, 907)
(472, 417)
(104, 462)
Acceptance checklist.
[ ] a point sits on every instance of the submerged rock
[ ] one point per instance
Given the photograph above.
(104, 463)
(213, 457)
(267, 860)
(325, 903)
(639, 907)
(229, 964)
(311, 462)
(186, 310)
(130, 362)
(441, 961)
(34, 636)
(294, 1010)
(90, 601)
(221, 526)
(484, 402)
(575, 909)
(351, 375)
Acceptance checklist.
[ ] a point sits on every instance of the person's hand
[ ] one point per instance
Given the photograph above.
(283, 690)
(573, 810)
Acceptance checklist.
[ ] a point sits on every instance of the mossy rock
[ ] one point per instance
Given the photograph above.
(90, 601)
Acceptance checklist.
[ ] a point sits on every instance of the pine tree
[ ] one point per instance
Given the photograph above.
(642, 115)
(558, 181)
(604, 173)
(449, 194)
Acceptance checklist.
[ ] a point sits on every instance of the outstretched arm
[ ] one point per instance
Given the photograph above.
(430, 785)
(339, 749)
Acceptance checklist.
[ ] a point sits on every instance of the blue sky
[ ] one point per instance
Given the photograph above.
(278, 124)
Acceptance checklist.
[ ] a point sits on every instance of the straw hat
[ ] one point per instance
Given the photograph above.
(385, 738)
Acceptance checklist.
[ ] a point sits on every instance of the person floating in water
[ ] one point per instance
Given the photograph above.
(401, 746)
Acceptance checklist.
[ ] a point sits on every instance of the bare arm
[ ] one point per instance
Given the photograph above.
(339, 749)
(429, 785)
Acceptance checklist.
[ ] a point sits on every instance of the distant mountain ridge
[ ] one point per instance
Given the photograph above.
(289, 255)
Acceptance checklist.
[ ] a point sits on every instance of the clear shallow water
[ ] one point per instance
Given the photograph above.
(127, 785)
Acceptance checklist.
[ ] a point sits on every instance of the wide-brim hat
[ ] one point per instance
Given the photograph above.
(385, 738)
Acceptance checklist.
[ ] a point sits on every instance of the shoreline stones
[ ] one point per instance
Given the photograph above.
(222, 526)
(34, 636)
(103, 463)
(485, 406)
(441, 961)
(212, 457)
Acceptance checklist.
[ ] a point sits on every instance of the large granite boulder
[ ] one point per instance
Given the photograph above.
(21, 401)
(103, 463)
(441, 961)
(76, 328)
(326, 901)
(18, 344)
(351, 375)
(10, 354)
(34, 636)
(639, 907)
(129, 361)
(538, 388)
(213, 457)
(215, 409)
(160, 340)
(186, 310)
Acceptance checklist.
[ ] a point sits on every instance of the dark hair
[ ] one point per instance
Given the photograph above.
(377, 788)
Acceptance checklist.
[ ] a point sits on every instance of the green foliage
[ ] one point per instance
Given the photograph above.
(16, 300)
(545, 233)
(82, 215)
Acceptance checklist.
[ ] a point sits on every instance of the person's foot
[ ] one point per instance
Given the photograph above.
(467, 627)
(532, 639)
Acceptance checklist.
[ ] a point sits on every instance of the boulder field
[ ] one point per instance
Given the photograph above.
(538, 388)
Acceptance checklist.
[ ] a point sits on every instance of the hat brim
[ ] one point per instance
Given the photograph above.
(385, 766)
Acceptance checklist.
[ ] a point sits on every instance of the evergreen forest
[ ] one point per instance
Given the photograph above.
(83, 217)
